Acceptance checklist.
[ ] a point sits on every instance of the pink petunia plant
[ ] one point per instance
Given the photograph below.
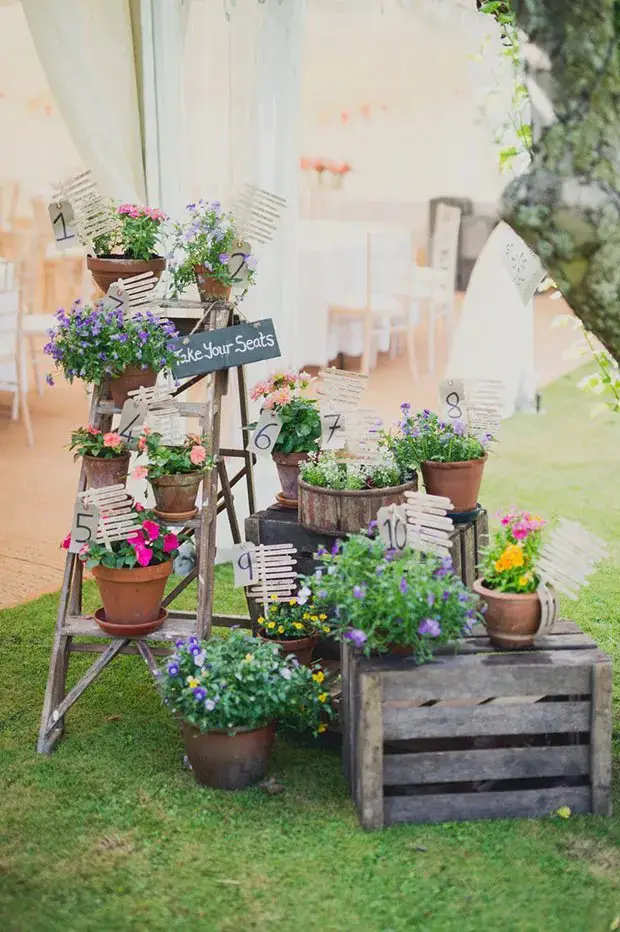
(151, 544)
(136, 233)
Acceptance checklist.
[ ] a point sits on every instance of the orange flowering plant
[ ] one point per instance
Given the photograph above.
(89, 441)
(508, 564)
(164, 460)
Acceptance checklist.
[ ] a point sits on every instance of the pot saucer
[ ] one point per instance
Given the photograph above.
(176, 517)
(287, 502)
(130, 631)
(462, 517)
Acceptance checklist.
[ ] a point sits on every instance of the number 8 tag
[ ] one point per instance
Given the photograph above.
(266, 433)
(453, 402)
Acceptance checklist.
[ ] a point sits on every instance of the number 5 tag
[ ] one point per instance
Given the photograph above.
(243, 564)
(266, 433)
(84, 527)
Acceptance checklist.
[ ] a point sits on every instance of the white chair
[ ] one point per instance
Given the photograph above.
(13, 369)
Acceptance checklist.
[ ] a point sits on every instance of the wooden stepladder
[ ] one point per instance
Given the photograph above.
(217, 497)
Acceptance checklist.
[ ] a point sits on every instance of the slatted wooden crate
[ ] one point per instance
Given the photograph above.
(481, 734)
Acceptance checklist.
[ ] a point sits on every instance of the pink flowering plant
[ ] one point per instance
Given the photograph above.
(151, 545)
(89, 441)
(508, 563)
(425, 436)
(242, 682)
(135, 235)
(381, 598)
(286, 394)
(164, 460)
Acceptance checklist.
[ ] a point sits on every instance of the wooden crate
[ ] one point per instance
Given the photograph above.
(481, 734)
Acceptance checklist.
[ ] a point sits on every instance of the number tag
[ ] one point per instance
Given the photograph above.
(266, 433)
(243, 564)
(238, 265)
(452, 397)
(133, 417)
(84, 527)
(392, 522)
(333, 431)
(115, 298)
(62, 218)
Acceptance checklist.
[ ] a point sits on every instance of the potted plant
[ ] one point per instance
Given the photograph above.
(174, 472)
(388, 603)
(451, 458)
(508, 581)
(340, 496)
(285, 394)
(294, 624)
(105, 455)
(230, 694)
(202, 247)
(130, 248)
(131, 576)
(97, 344)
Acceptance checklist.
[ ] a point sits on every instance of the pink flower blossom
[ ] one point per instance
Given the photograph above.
(259, 391)
(194, 438)
(136, 538)
(112, 440)
(143, 555)
(151, 528)
(93, 430)
(197, 455)
(138, 507)
(171, 542)
(282, 396)
(140, 472)
(66, 542)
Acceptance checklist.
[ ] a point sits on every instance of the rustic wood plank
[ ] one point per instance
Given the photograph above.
(277, 525)
(175, 627)
(600, 738)
(145, 652)
(561, 626)
(98, 647)
(249, 457)
(370, 753)
(456, 552)
(468, 554)
(493, 764)
(428, 722)
(229, 502)
(92, 673)
(463, 807)
(480, 676)
(547, 642)
(345, 714)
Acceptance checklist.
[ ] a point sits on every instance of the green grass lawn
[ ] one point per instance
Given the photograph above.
(111, 833)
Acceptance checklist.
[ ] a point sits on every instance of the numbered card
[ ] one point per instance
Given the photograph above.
(452, 400)
(238, 265)
(243, 564)
(392, 525)
(133, 416)
(340, 390)
(524, 266)
(258, 213)
(115, 298)
(63, 224)
(478, 404)
(85, 524)
(266, 433)
(333, 431)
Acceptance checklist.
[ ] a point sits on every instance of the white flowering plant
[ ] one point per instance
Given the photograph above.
(243, 682)
(327, 470)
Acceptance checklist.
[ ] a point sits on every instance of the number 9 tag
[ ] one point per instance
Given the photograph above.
(392, 522)
(243, 564)
(84, 527)
(265, 434)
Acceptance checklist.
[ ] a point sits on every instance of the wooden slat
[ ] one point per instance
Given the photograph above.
(370, 753)
(92, 673)
(85, 626)
(462, 807)
(547, 642)
(494, 764)
(456, 552)
(600, 738)
(468, 554)
(481, 676)
(445, 722)
(345, 712)
(481, 531)
(561, 626)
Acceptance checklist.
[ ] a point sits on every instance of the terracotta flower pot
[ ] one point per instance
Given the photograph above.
(302, 648)
(132, 596)
(460, 482)
(133, 377)
(175, 496)
(107, 271)
(287, 465)
(208, 287)
(101, 471)
(229, 762)
(512, 619)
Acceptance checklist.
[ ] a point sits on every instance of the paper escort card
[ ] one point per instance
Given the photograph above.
(524, 266)
(212, 350)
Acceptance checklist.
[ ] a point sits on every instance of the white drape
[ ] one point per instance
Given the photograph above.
(86, 50)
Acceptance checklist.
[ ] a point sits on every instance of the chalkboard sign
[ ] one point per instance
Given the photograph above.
(223, 349)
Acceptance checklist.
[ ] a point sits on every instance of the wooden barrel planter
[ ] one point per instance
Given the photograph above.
(340, 511)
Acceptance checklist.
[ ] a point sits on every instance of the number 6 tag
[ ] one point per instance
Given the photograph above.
(84, 527)
(266, 433)
(243, 564)
(392, 522)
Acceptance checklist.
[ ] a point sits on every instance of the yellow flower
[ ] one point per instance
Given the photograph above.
(306, 617)
(280, 630)
(260, 619)
(270, 624)
(326, 629)
(192, 682)
(273, 608)
(298, 625)
(322, 617)
(274, 597)
(525, 579)
(292, 601)
(323, 697)
(322, 727)
(314, 617)
(249, 657)
(318, 677)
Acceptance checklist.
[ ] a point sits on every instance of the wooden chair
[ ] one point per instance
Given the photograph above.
(13, 369)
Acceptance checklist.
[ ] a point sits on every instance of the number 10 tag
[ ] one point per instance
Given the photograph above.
(84, 527)
(266, 433)
(392, 522)
(243, 564)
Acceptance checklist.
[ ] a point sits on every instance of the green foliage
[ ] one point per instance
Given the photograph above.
(508, 563)
(89, 441)
(424, 436)
(136, 235)
(380, 599)
(301, 426)
(164, 460)
(241, 682)
(294, 618)
(326, 471)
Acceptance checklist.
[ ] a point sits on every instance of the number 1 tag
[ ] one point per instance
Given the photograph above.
(266, 433)
(452, 397)
(392, 523)
(62, 218)
(333, 431)
(243, 564)
(84, 527)
(133, 417)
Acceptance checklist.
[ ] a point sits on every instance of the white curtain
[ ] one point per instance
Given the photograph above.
(86, 50)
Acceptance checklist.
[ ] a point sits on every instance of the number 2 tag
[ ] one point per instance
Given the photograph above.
(452, 397)
(266, 433)
(333, 431)
(392, 523)
(238, 265)
(84, 527)
(62, 218)
(243, 564)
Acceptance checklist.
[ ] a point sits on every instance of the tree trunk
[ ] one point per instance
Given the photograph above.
(567, 206)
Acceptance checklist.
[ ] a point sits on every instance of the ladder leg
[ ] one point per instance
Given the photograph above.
(249, 457)
(54, 694)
